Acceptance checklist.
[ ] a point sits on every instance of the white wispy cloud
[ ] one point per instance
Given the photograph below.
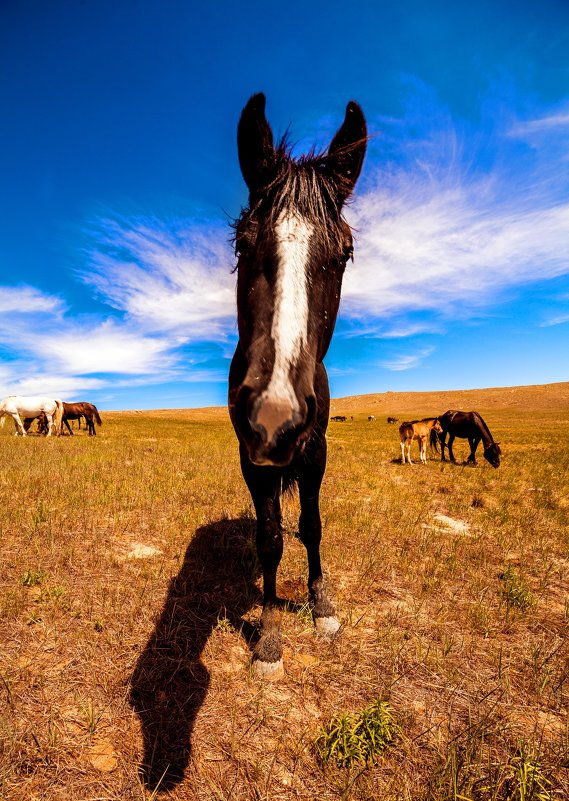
(105, 348)
(557, 320)
(541, 124)
(62, 355)
(51, 385)
(28, 300)
(168, 275)
(407, 361)
(434, 231)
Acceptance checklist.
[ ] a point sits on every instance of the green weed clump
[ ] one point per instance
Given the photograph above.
(473, 778)
(515, 590)
(527, 782)
(31, 578)
(357, 737)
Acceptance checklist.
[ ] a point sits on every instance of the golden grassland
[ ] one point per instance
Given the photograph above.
(129, 593)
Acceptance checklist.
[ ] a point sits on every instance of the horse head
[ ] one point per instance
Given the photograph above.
(492, 454)
(292, 246)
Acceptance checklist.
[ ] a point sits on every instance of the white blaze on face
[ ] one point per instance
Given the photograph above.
(290, 320)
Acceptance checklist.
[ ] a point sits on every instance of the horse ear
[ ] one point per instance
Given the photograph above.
(347, 150)
(255, 143)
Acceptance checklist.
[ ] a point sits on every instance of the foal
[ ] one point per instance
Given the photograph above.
(292, 245)
(419, 430)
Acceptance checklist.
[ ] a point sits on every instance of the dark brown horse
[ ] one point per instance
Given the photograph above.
(466, 425)
(42, 424)
(292, 245)
(75, 411)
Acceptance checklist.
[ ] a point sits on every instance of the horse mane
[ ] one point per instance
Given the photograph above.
(483, 425)
(304, 184)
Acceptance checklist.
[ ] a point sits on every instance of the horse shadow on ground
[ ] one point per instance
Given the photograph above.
(170, 682)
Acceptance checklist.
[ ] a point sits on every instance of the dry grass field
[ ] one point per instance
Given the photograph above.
(129, 593)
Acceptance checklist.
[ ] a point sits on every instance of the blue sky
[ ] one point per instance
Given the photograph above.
(119, 176)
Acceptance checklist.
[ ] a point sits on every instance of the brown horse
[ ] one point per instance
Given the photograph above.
(419, 430)
(75, 411)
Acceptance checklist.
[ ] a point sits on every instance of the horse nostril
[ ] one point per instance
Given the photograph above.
(271, 417)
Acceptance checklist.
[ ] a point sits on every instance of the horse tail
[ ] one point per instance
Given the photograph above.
(58, 417)
(97, 415)
(434, 440)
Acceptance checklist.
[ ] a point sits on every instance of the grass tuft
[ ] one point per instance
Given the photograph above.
(515, 590)
(31, 578)
(526, 781)
(357, 737)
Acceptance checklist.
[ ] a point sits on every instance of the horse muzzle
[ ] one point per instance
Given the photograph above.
(273, 429)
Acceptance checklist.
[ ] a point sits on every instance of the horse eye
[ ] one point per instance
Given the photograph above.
(242, 245)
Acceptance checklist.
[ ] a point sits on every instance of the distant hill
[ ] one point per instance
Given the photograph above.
(533, 398)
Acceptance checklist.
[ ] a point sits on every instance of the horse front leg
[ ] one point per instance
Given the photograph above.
(19, 425)
(473, 442)
(310, 534)
(442, 441)
(264, 484)
(451, 439)
(49, 424)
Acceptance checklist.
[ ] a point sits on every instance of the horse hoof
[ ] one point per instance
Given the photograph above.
(327, 626)
(267, 671)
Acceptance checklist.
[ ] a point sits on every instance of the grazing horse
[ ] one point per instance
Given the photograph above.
(292, 245)
(339, 418)
(75, 411)
(419, 430)
(471, 426)
(42, 426)
(17, 407)
(392, 420)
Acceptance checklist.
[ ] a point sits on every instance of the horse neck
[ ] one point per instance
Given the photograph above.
(487, 438)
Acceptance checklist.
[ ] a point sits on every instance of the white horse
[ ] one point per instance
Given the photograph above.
(18, 407)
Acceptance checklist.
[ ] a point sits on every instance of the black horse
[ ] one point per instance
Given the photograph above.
(467, 425)
(292, 246)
